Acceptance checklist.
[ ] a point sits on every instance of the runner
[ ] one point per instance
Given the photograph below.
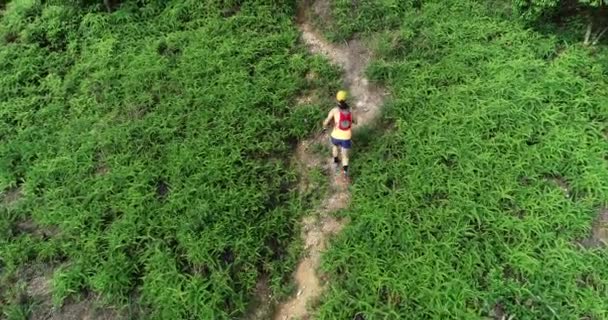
(341, 135)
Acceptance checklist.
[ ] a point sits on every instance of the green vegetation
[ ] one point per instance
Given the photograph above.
(459, 211)
(145, 153)
(146, 158)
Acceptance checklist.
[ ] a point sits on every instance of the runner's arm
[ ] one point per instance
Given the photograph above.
(330, 116)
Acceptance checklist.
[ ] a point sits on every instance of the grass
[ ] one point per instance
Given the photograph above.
(155, 143)
(456, 212)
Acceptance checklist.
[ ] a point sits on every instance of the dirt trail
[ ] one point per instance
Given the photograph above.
(367, 99)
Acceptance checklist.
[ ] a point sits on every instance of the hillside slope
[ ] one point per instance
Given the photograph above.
(480, 199)
(145, 155)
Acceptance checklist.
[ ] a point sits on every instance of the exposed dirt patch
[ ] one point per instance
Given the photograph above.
(11, 196)
(37, 295)
(229, 12)
(599, 231)
(311, 76)
(262, 306)
(102, 169)
(322, 10)
(353, 57)
(309, 97)
(26, 226)
(31, 227)
(39, 286)
(88, 308)
(498, 313)
(305, 158)
(315, 233)
(81, 310)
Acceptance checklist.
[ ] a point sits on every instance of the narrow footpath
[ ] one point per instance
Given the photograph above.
(367, 100)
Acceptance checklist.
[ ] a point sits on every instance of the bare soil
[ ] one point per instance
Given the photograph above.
(102, 169)
(499, 313)
(38, 292)
(262, 306)
(78, 310)
(11, 196)
(31, 227)
(599, 231)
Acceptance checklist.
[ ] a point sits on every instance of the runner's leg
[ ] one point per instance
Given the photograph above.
(335, 151)
(345, 159)
(346, 145)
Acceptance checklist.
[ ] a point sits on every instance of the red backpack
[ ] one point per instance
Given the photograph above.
(346, 120)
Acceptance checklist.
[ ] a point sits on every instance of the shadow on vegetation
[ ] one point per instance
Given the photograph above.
(366, 136)
(162, 189)
(231, 11)
(568, 22)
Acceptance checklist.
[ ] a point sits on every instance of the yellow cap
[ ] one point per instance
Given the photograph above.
(341, 96)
